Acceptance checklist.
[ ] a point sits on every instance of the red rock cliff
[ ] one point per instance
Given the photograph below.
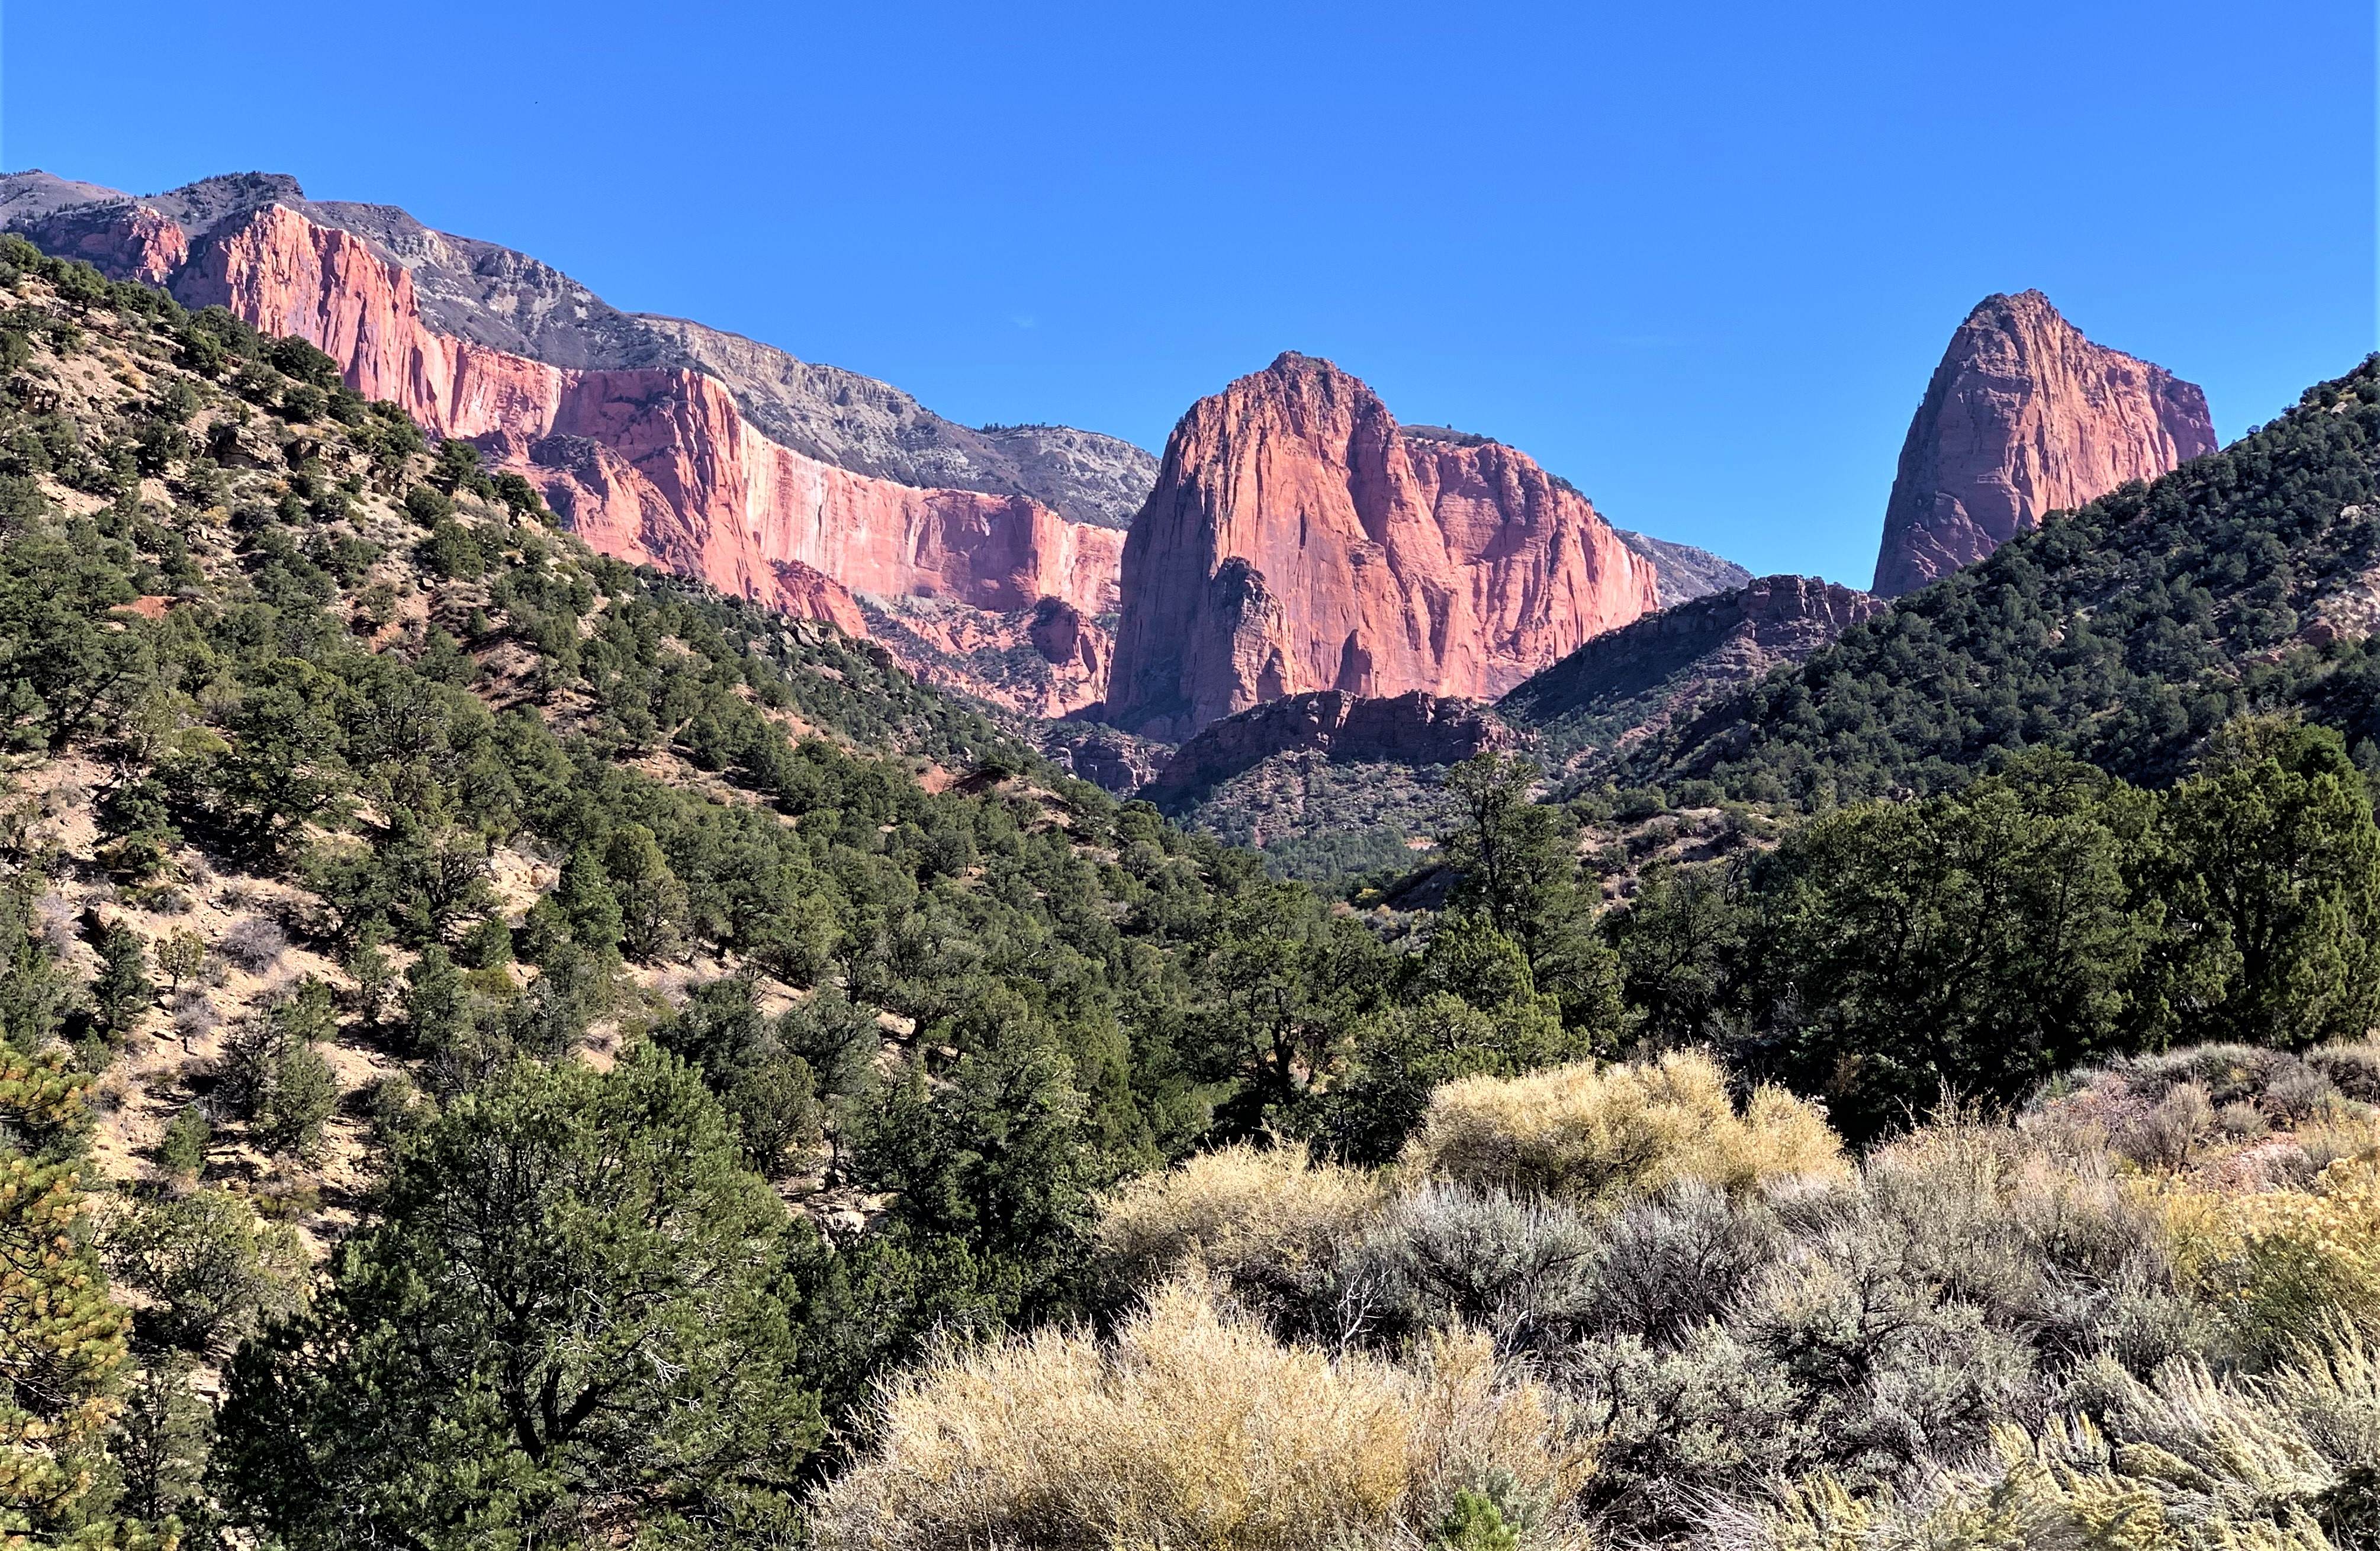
(2025, 417)
(123, 242)
(657, 465)
(1297, 540)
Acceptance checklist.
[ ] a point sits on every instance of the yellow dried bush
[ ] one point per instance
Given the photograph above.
(2276, 1263)
(1195, 1428)
(1233, 1209)
(1599, 1134)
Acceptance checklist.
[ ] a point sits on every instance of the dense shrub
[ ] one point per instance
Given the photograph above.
(2276, 1263)
(2186, 1460)
(1193, 1427)
(1526, 1272)
(1599, 1134)
(1239, 1211)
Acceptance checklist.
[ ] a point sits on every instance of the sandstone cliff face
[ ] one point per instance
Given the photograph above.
(655, 462)
(1298, 541)
(872, 428)
(487, 294)
(1048, 661)
(1412, 729)
(2025, 417)
(134, 244)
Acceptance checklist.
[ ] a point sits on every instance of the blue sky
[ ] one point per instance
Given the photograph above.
(1699, 259)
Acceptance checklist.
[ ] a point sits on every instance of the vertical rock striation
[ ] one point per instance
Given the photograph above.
(633, 428)
(1298, 540)
(2025, 417)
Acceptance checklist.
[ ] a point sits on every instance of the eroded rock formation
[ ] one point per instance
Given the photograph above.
(2025, 417)
(1413, 729)
(1297, 540)
(634, 429)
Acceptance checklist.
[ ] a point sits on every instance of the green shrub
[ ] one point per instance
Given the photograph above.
(214, 1270)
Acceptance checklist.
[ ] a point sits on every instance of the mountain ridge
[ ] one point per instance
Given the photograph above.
(2123, 633)
(835, 415)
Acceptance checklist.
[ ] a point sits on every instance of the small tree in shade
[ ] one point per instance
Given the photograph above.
(122, 991)
(298, 1103)
(183, 1151)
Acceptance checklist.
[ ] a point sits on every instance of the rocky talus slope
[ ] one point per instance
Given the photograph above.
(1682, 573)
(1412, 729)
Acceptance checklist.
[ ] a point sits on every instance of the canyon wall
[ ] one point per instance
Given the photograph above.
(1297, 540)
(2025, 417)
(690, 485)
(655, 464)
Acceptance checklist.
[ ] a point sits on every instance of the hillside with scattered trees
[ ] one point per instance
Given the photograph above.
(498, 1048)
(2125, 633)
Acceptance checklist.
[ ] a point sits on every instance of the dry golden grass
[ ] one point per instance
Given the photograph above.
(1196, 1429)
(1233, 1209)
(1599, 1134)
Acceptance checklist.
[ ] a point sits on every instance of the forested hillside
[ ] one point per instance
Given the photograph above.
(500, 1049)
(2124, 633)
(365, 823)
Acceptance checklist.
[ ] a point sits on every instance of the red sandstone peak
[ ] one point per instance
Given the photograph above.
(2025, 417)
(1298, 540)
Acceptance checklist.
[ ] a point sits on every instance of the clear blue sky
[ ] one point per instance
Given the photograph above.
(1700, 259)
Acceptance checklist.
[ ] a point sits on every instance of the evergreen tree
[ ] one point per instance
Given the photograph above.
(566, 1329)
(2273, 870)
(62, 1338)
(122, 991)
(1518, 861)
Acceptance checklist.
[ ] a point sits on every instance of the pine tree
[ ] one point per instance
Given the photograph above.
(62, 1338)
(566, 1327)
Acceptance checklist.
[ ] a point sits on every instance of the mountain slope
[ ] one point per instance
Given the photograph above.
(2023, 418)
(1629, 683)
(662, 442)
(340, 781)
(2249, 578)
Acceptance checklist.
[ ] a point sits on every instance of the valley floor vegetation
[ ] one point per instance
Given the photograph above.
(500, 1050)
